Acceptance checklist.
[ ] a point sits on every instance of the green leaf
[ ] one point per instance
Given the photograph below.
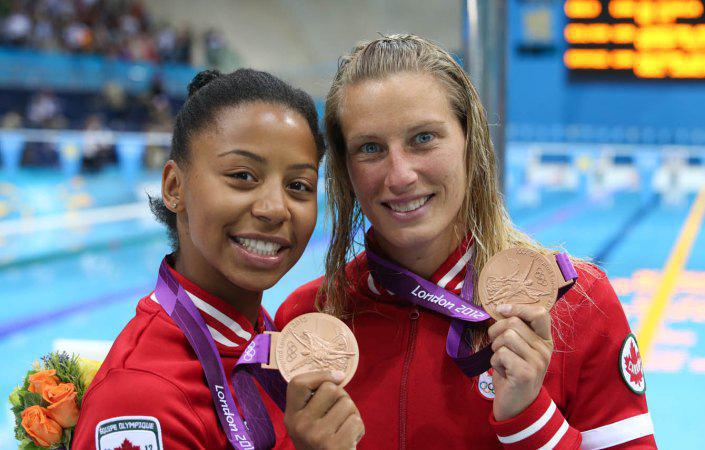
(20, 433)
(15, 397)
(66, 438)
(27, 444)
(25, 382)
(17, 410)
(29, 399)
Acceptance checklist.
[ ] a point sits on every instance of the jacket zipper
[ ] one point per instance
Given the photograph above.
(413, 318)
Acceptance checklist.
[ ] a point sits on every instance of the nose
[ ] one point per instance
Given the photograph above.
(401, 172)
(271, 206)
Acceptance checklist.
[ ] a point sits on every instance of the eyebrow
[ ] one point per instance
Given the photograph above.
(246, 154)
(428, 123)
(262, 160)
(303, 166)
(414, 128)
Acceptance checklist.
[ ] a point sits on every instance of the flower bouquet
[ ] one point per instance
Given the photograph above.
(46, 406)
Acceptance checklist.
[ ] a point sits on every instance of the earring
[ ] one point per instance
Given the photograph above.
(173, 205)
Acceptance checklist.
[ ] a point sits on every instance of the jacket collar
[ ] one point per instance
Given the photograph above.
(449, 275)
(230, 330)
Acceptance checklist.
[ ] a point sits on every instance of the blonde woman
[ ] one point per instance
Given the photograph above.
(409, 150)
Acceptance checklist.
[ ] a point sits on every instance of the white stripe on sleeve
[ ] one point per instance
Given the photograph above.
(556, 437)
(618, 432)
(531, 429)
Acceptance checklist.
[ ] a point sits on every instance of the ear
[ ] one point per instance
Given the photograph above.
(172, 186)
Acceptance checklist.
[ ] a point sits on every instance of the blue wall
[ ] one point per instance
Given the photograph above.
(540, 94)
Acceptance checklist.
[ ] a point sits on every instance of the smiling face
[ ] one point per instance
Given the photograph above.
(247, 198)
(405, 153)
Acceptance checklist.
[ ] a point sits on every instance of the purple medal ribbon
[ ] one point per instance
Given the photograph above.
(424, 293)
(173, 298)
(460, 309)
(247, 369)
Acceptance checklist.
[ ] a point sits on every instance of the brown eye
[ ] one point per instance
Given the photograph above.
(300, 186)
(244, 176)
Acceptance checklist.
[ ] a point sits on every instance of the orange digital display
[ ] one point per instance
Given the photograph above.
(639, 38)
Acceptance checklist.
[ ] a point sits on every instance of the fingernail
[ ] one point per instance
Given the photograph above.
(338, 376)
(504, 309)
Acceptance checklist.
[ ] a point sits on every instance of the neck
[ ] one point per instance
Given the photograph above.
(424, 258)
(197, 270)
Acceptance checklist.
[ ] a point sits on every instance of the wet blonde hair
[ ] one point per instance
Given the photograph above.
(482, 213)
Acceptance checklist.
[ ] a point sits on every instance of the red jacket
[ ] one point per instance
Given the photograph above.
(412, 395)
(151, 389)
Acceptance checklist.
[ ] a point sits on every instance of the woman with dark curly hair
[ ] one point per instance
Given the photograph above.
(239, 201)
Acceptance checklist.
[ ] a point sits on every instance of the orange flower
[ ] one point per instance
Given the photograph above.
(62, 404)
(44, 431)
(38, 381)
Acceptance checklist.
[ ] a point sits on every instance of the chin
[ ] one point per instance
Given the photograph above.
(254, 282)
(410, 239)
(252, 279)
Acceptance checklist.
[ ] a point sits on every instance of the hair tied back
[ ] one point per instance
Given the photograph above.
(201, 79)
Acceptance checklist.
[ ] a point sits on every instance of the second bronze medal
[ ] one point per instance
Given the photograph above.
(518, 276)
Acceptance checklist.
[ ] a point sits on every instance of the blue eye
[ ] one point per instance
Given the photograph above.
(369, 147)
(423, 138)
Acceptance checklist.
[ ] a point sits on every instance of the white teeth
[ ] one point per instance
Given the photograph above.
(409, 206)
(265, 248)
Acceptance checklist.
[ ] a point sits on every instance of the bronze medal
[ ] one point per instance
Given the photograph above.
(314, 342)
(519, 276)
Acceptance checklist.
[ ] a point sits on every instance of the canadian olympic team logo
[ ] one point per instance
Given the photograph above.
(485, 386)
(249, 353)
(630, 365)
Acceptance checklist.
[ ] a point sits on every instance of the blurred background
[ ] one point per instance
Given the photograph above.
(596, 109)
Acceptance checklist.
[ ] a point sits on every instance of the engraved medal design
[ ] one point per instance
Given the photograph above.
(314, 342)
(517, 276)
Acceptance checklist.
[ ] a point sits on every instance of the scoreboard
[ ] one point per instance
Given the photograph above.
(650, 39)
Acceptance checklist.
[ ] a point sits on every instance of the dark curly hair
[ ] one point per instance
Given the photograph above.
(211, 91)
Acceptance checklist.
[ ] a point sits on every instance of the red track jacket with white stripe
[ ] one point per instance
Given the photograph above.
(412, 395)
(150, 392)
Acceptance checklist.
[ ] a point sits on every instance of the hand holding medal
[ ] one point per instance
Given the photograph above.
(317, 354)
(320, 414)
(517, 288)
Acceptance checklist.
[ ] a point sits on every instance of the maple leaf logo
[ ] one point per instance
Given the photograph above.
(127, 445)
(632, 363)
